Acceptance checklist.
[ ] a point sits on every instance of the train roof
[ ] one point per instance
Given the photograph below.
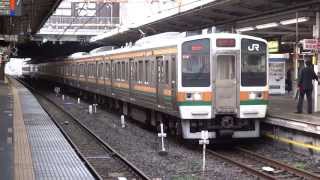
(167, 39)
(150, 42)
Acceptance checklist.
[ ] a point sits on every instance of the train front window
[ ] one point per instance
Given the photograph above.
(196, 63)
(253, 63)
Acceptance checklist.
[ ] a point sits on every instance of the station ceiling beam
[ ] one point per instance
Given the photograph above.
(224, 14)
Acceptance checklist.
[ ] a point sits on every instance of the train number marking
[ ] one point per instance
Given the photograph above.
(254, 47)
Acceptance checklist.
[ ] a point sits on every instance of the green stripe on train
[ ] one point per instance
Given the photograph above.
(194, 103)
(254, 102)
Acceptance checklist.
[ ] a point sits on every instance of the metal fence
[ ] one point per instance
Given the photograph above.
(82, 22)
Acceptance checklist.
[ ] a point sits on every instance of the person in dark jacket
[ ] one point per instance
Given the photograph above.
(305, 85)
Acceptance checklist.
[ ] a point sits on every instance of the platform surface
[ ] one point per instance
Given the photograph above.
(281, 111)
(6, 133)
(285, 106)
(52, 157)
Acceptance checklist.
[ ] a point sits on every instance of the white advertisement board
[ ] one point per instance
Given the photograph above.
(277, 76)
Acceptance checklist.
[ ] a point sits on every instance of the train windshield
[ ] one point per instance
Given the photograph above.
(253, 63)
(196, 63)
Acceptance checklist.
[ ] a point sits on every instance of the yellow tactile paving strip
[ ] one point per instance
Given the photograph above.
(23, 167)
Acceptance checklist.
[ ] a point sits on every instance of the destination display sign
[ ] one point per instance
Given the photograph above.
(311, 44)
(9, 7)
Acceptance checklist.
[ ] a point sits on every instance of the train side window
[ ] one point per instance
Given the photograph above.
(113, 70)
(158, 68)
(91, 70)
(85, 69)
(136, 72)
(123, 71)
(100, 70)
(147, 71)
(119, 70)
(126, 70)
(82, 70)
(107, 70)
(94, 74)
(152, 71)
(116, 70)
(68, 69)
(166, 72)
(140, 73)
(161, 71)
(133, 69)
(103, 71)
(88, 70)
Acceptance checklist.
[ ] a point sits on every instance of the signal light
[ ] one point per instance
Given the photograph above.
(226, 42)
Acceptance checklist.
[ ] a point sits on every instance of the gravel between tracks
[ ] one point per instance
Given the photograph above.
(141, 147)
(276, 152)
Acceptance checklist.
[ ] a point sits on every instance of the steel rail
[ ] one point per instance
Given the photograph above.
(243, 166)
(105, 144)
(291, 169)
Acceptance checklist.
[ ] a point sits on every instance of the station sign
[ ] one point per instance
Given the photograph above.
(311, 44)
(273, 46)
(10, 7)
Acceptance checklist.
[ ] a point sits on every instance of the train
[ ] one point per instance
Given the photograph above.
(216, 82)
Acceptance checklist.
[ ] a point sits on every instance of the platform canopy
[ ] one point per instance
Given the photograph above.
(230, 15)
(24, 16)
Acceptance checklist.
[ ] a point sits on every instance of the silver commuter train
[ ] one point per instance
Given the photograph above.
(215, 82)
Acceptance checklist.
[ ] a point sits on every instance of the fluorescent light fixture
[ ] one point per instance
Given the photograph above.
(269, 25)
(245, 29)
(293, 21)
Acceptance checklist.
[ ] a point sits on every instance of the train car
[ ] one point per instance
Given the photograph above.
(215, 82)
(29, 70)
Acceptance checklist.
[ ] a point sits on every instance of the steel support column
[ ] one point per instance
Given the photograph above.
(316, 94)
(2, 71)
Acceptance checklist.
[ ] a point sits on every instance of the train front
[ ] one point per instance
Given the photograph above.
(222, 85)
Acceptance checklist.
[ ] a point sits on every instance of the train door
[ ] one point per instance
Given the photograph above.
(164, 83)
(173, 80)
(159, 83)
(131, 77)
(226, 83)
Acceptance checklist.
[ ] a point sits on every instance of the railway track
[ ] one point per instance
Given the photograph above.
(253, 163)
(102, 159)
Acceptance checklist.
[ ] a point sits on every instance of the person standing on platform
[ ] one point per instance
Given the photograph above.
(305, 85)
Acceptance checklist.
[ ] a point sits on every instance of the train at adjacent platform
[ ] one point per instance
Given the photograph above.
(216, 82)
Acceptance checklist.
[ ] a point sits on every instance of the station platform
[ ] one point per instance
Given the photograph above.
(6, 131)
(40, 151)
(281, 112)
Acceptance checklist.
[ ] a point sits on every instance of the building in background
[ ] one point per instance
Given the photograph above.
(79, 19)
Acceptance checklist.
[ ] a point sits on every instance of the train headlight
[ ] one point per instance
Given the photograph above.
(255, 95)
(197, 97)
(194, 96)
